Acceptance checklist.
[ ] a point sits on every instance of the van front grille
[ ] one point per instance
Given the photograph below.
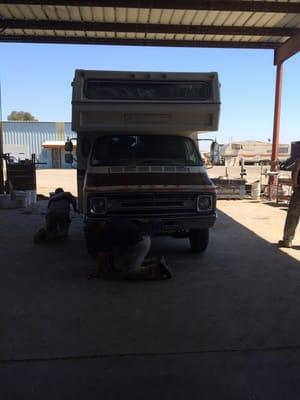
(150, 204)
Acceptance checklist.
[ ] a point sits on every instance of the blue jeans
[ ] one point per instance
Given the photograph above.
(293, 215)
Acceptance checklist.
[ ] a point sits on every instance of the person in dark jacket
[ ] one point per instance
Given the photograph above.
(58, 216)
(293, 214)
(122, 247)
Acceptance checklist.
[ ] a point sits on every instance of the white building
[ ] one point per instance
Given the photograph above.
(44, 139)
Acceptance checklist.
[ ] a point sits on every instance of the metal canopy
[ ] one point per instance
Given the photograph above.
(184, 23)
(260, 24)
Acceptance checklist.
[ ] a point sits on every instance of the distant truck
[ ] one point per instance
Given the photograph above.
(137, 153)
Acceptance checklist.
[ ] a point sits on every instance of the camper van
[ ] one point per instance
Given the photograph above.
(137, 152)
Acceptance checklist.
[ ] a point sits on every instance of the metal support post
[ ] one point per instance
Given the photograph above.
(276, 124)
(1, 161)
(1, 151)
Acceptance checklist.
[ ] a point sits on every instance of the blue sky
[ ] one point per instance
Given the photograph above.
(37, 78)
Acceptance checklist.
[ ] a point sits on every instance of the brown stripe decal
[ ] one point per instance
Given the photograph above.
(147, 179)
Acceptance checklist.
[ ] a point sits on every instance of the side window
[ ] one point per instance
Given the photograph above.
(191, 154)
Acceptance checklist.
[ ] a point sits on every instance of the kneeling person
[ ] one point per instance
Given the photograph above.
(122, 248)
(58, 216)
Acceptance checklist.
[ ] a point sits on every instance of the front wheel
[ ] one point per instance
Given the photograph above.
(91, 241)
(199, 240)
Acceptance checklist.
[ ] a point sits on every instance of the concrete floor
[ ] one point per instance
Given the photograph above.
(227, 326)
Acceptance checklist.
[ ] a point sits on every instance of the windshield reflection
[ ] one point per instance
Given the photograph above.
(145, 150)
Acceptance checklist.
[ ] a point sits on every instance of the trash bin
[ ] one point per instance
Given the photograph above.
(32, 197)
(4, 201)
(22, 198)
(255, 190)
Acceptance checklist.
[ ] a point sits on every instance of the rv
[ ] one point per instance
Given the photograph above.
(251, 152)
(137, 153)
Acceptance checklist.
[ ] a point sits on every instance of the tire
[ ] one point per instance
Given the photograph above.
(199, 240)
(91, 241)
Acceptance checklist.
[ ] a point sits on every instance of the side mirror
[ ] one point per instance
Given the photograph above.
(69, 159)
(213, 146)
(69, 146)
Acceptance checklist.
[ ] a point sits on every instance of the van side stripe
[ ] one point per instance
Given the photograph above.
(148, 178)
(164, 188)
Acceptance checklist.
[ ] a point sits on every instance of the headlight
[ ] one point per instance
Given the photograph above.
(98, 205)
(203, 203)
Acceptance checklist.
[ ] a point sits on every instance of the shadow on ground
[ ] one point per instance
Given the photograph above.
(227, 323)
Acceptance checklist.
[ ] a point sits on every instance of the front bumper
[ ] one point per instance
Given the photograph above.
(167, 225)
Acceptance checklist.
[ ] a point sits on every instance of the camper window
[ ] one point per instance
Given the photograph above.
(141, 90)
(236, 146)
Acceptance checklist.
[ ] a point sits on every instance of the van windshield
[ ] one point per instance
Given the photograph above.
(145, 150)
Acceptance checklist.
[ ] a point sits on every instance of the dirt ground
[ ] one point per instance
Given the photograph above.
(48, 180)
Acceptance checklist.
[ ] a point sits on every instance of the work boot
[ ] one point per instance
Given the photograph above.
(164, 268)
(285, 243)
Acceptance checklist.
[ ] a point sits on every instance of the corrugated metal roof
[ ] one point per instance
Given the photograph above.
(242, 23)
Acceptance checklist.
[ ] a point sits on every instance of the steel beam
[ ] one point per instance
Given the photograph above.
(1, 159)
(136, 42)
(145, 28)
(210, 5)
(1, 149)
(287, 50)
(276, 123)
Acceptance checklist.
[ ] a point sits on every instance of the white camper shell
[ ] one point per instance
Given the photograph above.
(137, 155)
(151, 102)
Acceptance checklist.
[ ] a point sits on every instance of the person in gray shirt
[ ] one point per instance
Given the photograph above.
(58, 216)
